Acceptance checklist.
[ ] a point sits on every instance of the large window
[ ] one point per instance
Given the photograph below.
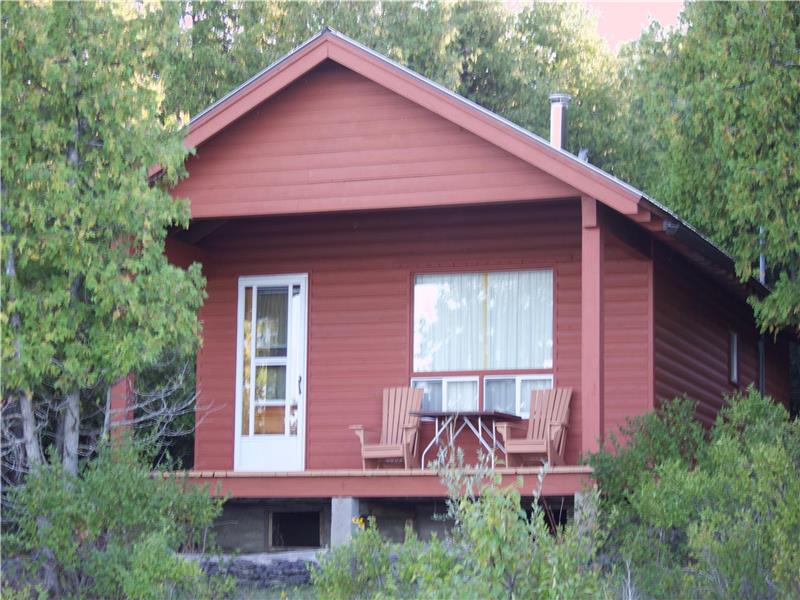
(471, 327)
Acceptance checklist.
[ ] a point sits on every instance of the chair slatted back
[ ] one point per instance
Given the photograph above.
(549, 406)
(398, 403)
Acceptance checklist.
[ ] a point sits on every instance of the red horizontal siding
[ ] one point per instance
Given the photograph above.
(360, 275)
(693, 320)
(627, 337)
(334, 140)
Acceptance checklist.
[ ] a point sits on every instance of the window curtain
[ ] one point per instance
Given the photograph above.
(448, 311)
(520, 320)
(483, 321)
(462, 395)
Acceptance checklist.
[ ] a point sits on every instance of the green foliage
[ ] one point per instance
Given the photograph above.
(672, 435)
(714, 520)
(113, 532)
(495, 549)
(558, 49)
(90, 295)
(713, 132)
(26, 592)
(360, 569)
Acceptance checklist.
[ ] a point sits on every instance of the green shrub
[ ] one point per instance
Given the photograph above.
(359, 569)
(496, 549)
(715, 519)
(112, 532)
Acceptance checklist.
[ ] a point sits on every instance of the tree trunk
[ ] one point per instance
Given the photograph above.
(58, 438)
(33, 450)
(107, 416)
(49, 573)
(72, 422)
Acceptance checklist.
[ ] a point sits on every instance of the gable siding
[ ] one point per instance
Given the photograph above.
(693, 319)
(360, 276)
(334, 140)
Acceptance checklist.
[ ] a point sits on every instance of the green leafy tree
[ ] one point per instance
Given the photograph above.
(88, 293)
(706, 518)
(559, 50)
(713, 131)
(202, 57)
(113, 532)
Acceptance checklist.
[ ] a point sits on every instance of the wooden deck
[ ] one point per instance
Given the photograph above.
(375, 483)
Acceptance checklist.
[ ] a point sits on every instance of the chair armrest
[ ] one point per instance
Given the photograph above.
(505, 429)
(360, 432)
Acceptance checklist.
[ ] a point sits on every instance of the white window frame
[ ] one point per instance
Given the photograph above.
(452, 379)
(518, 379)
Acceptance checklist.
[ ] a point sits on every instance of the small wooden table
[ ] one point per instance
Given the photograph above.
(482, 423)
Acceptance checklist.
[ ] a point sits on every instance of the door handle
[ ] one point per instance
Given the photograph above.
(299, 385)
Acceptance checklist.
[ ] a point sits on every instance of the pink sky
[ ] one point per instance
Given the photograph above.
(621, 22)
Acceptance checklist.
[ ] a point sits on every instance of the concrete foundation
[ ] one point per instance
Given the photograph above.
(343, 510)
(249, 526)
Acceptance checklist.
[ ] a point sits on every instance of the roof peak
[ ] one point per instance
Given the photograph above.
(330, 44)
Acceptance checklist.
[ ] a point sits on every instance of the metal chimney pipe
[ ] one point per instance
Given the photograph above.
(558, 118)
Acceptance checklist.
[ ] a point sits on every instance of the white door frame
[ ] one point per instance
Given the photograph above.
(301, 337)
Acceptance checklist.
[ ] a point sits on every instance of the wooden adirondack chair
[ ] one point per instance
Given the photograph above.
(547, 428)
(398, 435)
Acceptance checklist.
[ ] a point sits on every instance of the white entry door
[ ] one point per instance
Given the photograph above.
(271, 373)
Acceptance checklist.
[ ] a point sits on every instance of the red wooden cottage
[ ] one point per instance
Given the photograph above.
(361, 227)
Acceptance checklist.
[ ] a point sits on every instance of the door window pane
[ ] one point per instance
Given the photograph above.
(270, 383)
(501, 395)
(462, 395)
(272, 313)
(293, 418)
(269, 419)
(526, 387)
(431, 394)
(247, 337)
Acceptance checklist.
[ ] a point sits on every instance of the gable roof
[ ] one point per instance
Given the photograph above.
(333, 45)
(590, 180)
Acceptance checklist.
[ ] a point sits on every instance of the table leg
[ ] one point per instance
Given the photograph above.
(494, 443)
(478, 432)
(437, 432)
